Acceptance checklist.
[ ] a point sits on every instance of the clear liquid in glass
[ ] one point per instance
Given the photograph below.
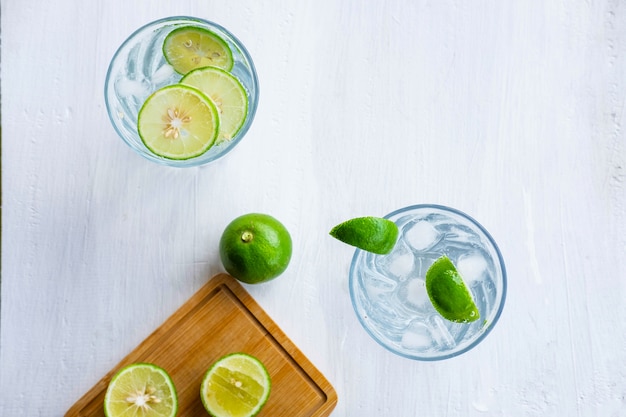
(389, 294)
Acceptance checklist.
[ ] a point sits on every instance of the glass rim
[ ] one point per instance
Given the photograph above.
(481, 336)
(202, 159)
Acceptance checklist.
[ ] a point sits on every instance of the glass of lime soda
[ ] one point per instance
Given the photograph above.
(390, 295)
(181, 91)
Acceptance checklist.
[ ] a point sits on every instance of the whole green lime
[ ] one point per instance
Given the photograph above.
(255, 248)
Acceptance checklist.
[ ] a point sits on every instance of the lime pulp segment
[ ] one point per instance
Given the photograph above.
(178, 122)
(237, 385)
(190, 47)
(448, 293)
(141, 389)
(228, 95)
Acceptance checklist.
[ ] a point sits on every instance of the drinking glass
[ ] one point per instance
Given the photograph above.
(139, 68)
(389, 295)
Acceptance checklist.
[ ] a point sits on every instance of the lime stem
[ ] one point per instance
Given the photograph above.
(246, 236)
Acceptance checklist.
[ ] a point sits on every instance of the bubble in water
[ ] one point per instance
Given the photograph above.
(421, 235)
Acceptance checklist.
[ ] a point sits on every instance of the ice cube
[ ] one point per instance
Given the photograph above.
(413, 294)
(484, 296)
(462, 234)
(421, 235)
(376, 284)
(399, 263)
(471, 267)
(163, 74)
(385, 315)
(125, 87)
(441, 333)
(417, 337)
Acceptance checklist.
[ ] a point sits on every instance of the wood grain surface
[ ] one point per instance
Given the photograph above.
(222, 318)
(510, 111)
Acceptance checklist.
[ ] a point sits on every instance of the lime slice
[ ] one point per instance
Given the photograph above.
(227, 94)
(191, 47)
(178, 122)
(237, 385)
(141, 389)
(371, 234)
(448, 293)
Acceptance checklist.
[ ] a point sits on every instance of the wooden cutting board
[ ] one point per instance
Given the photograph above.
(222, 318)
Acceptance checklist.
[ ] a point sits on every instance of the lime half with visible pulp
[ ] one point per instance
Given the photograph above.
(178, 122)
(190, 47)
(141, 389)
(371, 234)
(228, 95)
(237, 385)
(448, 292)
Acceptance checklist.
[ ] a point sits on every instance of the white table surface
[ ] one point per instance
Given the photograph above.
(511, 111)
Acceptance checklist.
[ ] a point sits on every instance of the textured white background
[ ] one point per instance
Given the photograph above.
(512, 111)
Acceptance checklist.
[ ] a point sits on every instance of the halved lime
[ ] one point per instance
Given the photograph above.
(237, 385)
(227, 93)
(190, 47)
(178, 122)
(448, 293)
(371, 234)
(141, 389)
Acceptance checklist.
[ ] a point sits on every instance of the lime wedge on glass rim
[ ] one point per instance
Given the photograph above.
(228, 95)
(190, 47)
(178, 122)
(141, 389)
(237, 385)
(448, 293)
(371, 234)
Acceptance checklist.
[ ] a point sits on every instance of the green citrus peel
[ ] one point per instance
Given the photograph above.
(190, 47)
(228, 95)
(448, 292)
(255, 248)
(371, 234)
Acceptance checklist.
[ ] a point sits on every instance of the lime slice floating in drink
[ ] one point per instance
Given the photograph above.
(141, 389)
(227, 94)
(178, 122)
(371, 234)
(448, 293)
(190, 47)
(237, 385)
